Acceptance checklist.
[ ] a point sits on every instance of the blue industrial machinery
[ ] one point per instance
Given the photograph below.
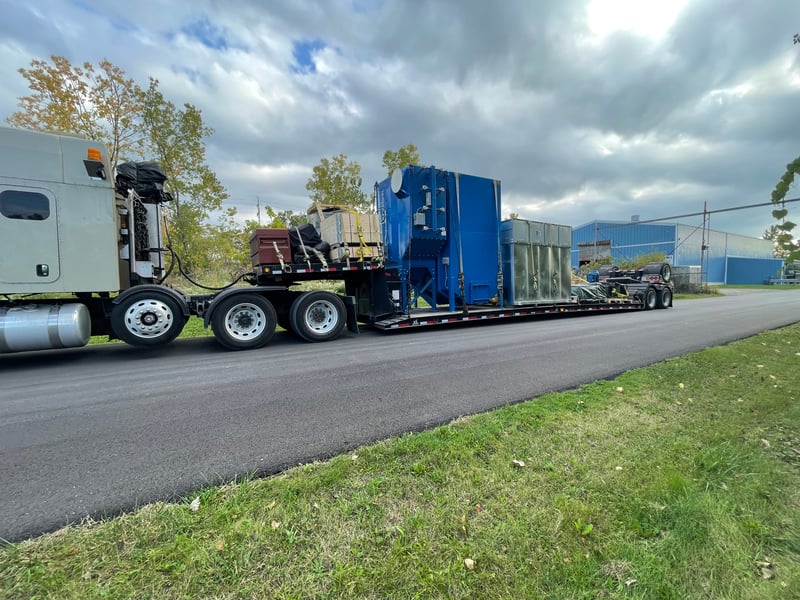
(441, 234)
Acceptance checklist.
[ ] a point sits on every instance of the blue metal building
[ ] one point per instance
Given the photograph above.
(729, 258)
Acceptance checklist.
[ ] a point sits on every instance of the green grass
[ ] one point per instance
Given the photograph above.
(708, 293)
(783, 286)
(676, 481)
(193, 328)
(719, 290)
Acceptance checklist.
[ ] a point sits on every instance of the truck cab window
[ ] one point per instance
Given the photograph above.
(28, 206)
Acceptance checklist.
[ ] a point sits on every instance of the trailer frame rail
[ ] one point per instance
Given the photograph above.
(429, 318)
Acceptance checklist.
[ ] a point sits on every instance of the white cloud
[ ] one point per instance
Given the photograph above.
(650, 19)
(585, 109)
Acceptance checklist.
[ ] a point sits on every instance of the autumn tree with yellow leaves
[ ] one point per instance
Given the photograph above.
(102, 103)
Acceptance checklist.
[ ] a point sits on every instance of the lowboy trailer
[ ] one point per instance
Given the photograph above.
(82, 253)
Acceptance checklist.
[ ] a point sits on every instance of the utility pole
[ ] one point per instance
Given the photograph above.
(258, 210)
(704, 246)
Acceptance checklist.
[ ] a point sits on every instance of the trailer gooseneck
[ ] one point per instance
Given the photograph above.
(81, 254)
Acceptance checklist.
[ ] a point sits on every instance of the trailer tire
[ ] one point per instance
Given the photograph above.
(663, 269)
(650, 298)
(666, 272)
(244, 322)
(318, 316)
(664, 298)
(147, 318)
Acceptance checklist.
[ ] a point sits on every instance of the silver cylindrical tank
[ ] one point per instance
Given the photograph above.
(44, 326)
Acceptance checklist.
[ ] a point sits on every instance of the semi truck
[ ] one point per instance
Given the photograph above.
(83, 253)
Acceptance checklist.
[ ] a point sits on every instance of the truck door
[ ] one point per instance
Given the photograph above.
(28, 235)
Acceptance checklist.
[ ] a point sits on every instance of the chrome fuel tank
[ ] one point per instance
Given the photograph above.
(43, 326)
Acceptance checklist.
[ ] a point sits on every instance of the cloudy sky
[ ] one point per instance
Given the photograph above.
(584, 109)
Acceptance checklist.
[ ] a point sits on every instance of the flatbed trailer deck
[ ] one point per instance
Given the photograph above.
(425, 318)
(626, 294)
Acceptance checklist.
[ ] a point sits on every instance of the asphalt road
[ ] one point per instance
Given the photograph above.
(102, 429)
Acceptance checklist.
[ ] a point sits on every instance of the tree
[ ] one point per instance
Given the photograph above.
(273, 218)
(100, 104)
(775, 234)
(284, 218)
(784, 239)
(407, 155)
(176, 136)
(226, 247)
(338, 182)
(103, 104)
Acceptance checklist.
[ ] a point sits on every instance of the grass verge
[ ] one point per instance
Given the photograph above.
(681, 480)
(719, 290)
(778, 287)
(193, 328)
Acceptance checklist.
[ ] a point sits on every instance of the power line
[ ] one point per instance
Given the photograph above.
(707, 212)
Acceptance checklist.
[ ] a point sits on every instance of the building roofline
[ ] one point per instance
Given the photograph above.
(621, 223)
(668, 223)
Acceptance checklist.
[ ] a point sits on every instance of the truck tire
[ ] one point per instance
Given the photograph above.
(663, 269)
(650, 298)
(244, 322)
(318, 316)
(666, 272)
(148, 318)
(664, 298)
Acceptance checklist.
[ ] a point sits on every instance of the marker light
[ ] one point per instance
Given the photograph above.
(94, 154)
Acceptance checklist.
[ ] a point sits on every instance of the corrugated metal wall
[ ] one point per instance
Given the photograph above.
(689, 251)
(743, 270)
(628, 239)
(720, 244)
(682, 245)
(721, 247)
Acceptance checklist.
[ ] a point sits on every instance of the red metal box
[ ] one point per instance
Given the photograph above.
(262, 246)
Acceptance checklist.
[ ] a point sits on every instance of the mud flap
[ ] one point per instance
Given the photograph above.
(350, 306)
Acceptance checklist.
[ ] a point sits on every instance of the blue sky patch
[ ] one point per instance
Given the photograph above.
(194, 75)
(207, 34)
(303, 52)
(120, 24)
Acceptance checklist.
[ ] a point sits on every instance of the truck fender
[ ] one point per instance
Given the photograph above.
(152, 287)
(258, 289)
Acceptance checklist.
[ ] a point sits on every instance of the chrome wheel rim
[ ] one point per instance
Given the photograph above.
(245, 321)
(149, 318)
(321, 317)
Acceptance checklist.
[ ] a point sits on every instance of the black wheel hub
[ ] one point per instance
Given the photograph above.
(149, 318)
(244, 321)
